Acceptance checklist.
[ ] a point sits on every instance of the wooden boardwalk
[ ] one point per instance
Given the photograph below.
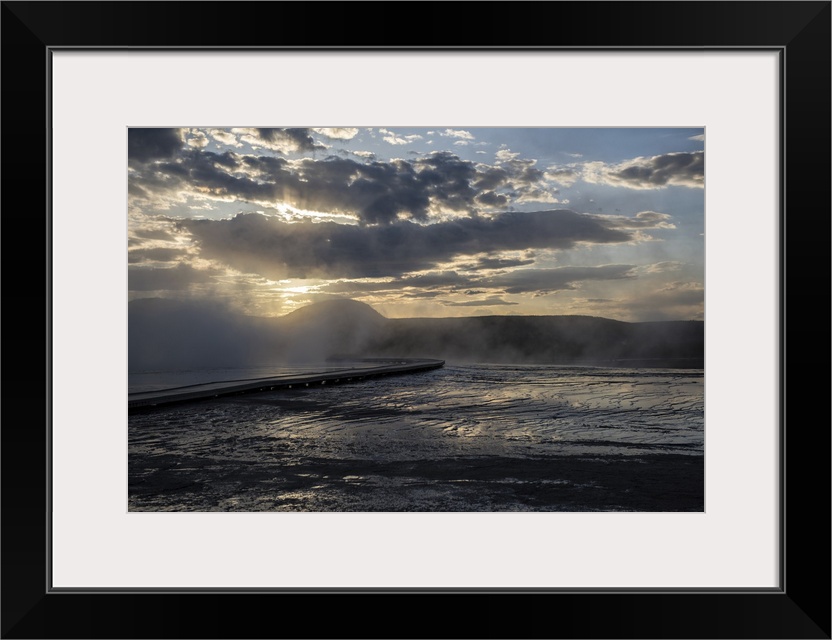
(375, 368)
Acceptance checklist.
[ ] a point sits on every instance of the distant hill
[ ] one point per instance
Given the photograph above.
(338, 311)
(546, 340)
(329, 328)
(166, 334)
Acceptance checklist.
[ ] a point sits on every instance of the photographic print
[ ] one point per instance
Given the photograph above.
(385, 319)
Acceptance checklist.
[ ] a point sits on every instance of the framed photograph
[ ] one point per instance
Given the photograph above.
(362, 319)
(499, 317)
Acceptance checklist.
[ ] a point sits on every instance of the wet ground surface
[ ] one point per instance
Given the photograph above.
(473, 438)
(648, 483)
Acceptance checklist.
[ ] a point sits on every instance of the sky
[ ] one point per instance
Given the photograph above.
(421, 222)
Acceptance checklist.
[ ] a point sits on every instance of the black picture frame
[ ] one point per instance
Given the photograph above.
(800, 608)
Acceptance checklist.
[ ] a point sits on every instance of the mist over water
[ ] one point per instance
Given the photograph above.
(461, 438)
(168, 334)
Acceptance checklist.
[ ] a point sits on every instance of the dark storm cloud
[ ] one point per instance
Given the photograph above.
(443, 279)
(516, 177)
(447, 179)
(492, 178)
(682, 169)
(264, 166)
(522, 171)
(274, 248)
(219, 174)
(291, 139)
(171, 279)
(144, 145)
(491, 199)
(159, 254)
(375, 192)
(542, 281)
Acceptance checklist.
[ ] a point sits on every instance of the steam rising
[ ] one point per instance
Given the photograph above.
(167, 335)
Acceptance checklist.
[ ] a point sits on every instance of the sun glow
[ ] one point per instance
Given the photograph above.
(295, 214)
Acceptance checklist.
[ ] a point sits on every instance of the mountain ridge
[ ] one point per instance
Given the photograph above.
(200, 334)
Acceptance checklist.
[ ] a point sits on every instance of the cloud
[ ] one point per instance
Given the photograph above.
(435, 186)
(537, 282)
(663, 267)
(375, 192)
(457, 133)
(685, 300)
(293, 139)
(166, 279)
(542, 281)
(360, 287)
(504, 155)
(539, 195)
(679, 169)
(699, 138)
(197, 138)
(281, 140)
(682, 285)
(566, 176)
(642, 220)
(154, 234)
(146, 145)
(419, 295)
(492, 178)
(439, 183)
(393, 138)
(274, 248)
(442, 280)
(434, 279)
(157, 254)
(200, 172)
(522, 171)
(364, 154)
(491, 199)
(517, 178)
(337, 133)
(676, 301)
(500, 263)
(225, 137)
(484, 302)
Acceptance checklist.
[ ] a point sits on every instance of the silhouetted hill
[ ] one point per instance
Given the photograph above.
(189, 334)
(339, 312)
(333, 327)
